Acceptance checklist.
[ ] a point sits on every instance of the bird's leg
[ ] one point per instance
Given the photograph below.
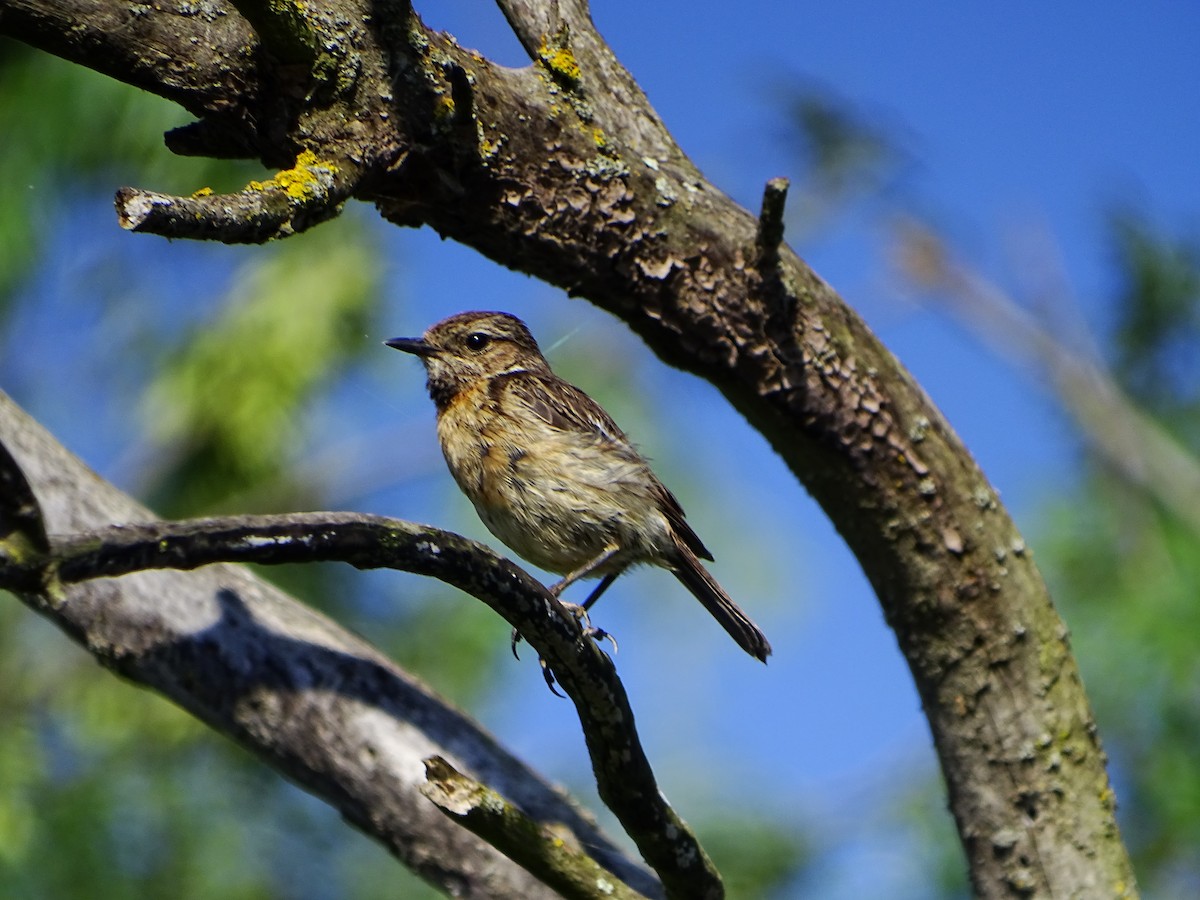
(581, 612)
(582, 572)
(600, 589)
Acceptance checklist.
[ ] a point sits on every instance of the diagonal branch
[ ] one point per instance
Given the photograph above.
(561, 38)
(319, 705)
(623, 774)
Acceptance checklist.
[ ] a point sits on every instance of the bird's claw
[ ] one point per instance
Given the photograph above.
(589, 631)
(599, 634)
(550, 679)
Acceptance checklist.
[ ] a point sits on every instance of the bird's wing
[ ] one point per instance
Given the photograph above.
(563, 406)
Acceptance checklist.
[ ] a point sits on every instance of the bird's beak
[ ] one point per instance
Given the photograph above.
(418, 346)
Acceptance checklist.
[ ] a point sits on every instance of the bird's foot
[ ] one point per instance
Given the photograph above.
(589, 631)
(585, 622)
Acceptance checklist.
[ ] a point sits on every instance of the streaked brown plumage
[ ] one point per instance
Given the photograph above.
(548, 470)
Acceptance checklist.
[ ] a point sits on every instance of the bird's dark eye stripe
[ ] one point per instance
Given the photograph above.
(478, 340)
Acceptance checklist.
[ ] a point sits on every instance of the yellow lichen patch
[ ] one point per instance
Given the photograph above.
(560, 61)
(599, 138)
(489, 148)
(299, 182)
(444, 109)
(203, 192)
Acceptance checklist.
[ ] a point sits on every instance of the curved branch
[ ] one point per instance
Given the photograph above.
(623, 774)
(318, 704)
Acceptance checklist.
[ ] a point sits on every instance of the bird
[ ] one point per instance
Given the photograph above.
(550, 473)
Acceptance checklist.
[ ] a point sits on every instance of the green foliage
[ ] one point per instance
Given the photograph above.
(1127, 578)
(1159, 320)
(1127, 574)
(49, 157)
(229, 401)
(844, 153)
(756, 856)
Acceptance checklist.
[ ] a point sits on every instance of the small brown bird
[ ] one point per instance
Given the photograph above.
(550, 473)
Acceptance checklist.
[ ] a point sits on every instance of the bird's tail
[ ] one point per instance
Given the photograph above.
(720, 605)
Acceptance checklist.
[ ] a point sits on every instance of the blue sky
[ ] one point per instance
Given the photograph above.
(1022, 121)
(1019, 120)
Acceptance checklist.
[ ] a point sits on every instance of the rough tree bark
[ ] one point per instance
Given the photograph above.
(562, 169)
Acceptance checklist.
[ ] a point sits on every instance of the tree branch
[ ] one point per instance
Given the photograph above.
(307, 194)
(770, 227)
(571, 177)
(623, 775)
(624, 778)
(201, 55)
(316, 703)
(541, 850)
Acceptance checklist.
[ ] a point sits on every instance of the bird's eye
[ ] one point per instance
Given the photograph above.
(477, 341)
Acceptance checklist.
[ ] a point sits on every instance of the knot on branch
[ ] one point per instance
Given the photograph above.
(770, 227)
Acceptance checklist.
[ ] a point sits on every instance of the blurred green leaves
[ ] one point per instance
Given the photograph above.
(67, 128)
(1158, 330)
(1127, 572)
(228, 405)
(845, 154)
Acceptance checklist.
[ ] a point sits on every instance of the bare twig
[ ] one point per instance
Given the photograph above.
(1125, 437)
(770, 225)
(541, 850)
(310, 192)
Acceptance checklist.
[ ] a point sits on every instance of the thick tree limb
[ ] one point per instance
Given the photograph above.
(321, 706)
(201, 55)
(570, 176)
